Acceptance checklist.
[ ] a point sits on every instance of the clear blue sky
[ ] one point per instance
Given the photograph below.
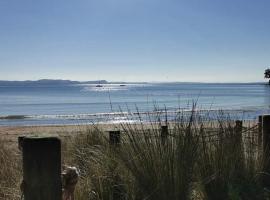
(135, 40)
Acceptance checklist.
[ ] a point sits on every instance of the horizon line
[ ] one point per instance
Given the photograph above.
(202, 82)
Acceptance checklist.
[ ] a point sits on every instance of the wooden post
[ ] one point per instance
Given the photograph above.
(266, 133)
(238, 148)
(41, 168)
(239, 126)
(238, 129)
(260, 131)
(164, 134)
(266, 147)
(114, 137)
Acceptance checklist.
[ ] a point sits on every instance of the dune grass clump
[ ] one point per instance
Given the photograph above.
(161, 168)
(197, 158)
(229, 163)
(10, 172)
(101, 174)
(190, 157)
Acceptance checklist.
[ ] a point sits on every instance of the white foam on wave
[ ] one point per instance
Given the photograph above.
(78, 116)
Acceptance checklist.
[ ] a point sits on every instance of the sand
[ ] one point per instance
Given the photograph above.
(10, 134)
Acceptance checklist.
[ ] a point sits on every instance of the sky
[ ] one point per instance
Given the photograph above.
(135, 40)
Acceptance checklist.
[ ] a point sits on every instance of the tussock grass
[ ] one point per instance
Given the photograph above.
(229, 164)
(10, 172)
(198, 158)
(99, 169)
(162, 169)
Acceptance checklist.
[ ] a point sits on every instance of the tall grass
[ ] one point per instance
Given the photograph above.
(99, 169)
(10, 172)
(229, 164)
(200, 158)
(161, 169)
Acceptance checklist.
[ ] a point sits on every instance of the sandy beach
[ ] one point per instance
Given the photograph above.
(10, 134)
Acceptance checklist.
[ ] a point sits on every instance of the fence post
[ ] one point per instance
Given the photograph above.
(239, 126)
(266, 147)
(41, 168)
(114, 137)
(164, 134)
(266, 132)
(238, 129)
(260, 131)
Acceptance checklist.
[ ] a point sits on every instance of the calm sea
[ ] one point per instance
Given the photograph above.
(114, 103)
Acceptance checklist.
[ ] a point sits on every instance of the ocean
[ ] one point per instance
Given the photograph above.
(63, 104)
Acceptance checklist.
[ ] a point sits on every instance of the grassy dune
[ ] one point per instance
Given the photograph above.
(199, 159)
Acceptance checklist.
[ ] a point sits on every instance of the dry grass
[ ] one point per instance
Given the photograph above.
(10, 172)
(199, 159)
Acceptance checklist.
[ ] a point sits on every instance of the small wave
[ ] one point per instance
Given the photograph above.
(13, 117)
(78, 116)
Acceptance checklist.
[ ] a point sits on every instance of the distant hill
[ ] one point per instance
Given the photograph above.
(121, 82)
(48, 82)
(95, 82)
(55, 82)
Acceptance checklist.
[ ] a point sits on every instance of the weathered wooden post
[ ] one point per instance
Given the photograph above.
(266, 133)
(41, 168)
(260, 131)
(266, 147)
(239, 137)
(239, 127)
(114, 137)
(238, 131)
(164, 134)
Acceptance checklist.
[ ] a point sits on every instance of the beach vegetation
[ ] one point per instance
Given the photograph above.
(10, 172)
(197, 158)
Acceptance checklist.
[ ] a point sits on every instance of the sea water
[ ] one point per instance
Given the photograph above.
(115, 103)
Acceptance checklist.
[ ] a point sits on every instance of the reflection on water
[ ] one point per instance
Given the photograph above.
(102, 88)
(108, 87)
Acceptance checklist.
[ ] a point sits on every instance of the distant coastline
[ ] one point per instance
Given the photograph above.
(69, 82)
(59, 82)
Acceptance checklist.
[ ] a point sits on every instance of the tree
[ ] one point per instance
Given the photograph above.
(267, 74)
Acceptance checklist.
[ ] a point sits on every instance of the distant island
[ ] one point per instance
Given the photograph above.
(58, 82)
